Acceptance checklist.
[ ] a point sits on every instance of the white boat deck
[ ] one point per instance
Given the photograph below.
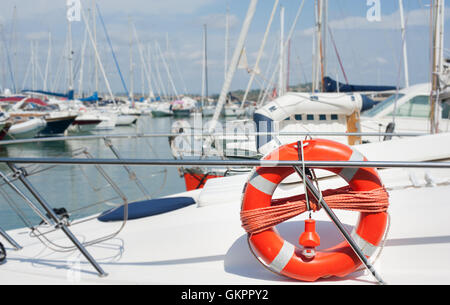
(208, 246)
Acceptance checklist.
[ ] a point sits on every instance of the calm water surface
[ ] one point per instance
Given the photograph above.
(83, 190)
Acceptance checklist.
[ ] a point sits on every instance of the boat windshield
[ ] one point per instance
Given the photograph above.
(383, 105)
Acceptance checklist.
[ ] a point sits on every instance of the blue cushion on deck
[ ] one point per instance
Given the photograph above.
(147, 208)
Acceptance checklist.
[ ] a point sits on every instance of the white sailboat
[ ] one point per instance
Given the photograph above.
(161, 109)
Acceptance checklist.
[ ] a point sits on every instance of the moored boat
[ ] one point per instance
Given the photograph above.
(57, 125)
(85, 123)
(26, 129)
(233, 110)
(126, 120)
(161, 109)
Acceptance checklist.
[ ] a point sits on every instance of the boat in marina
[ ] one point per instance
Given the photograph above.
(323, 188)
(161, 109)
(57, 125)
(23, 108)
(208, 110)
(86, 123)
(26, 129)
(328, 114)
(323, 114)
(184, 107)
(109, 119)
(56, 121)
(406, 111)
(182, 113)
(126, 120)
(233, 110)
(5, 124)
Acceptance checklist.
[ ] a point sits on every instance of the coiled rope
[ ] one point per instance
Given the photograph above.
(259, 220)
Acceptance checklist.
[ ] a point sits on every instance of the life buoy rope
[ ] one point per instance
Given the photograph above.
(365, 193)
(259, 220)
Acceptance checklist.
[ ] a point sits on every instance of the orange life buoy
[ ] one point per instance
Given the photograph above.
(284, 258)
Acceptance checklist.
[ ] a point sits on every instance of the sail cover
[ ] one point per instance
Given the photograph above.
(331, 86)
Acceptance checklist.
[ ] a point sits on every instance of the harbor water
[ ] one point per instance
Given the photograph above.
(87, 190)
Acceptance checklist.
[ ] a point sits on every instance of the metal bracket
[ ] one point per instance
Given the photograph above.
(317, 195)
(10, 240)
(131, 174)
(55, 218)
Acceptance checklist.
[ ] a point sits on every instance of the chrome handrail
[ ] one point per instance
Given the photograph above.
(188, 134)
(225, 163)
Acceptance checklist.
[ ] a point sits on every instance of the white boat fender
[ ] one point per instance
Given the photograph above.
(2, 254)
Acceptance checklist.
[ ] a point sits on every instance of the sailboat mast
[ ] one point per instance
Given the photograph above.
(151, 92)
(324, 41)
(33, 66)
(97, 56)
(81, 72)
(315, 48)
(288, 67)
(166, 66)
(320, 44)
(206, 62)
(405, 53)
(131, 63)
(234, 62)
(227, 39)
(260, 53)
(14, 42)
(70, 57)
(282, 53)
(94, 29)
(437, 62)
(204, 66)
(49, 56)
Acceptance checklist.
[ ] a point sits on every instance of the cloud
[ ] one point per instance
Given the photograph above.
(154, 7)
(381, 60)
(419, 17)
(31, 9)
(218, 21)
(37, 36)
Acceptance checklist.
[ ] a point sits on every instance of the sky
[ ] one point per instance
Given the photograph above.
(371, 52)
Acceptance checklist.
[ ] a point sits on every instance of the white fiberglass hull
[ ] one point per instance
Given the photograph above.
(234, 112)
(208, 111)
(109, 122)
(204, 246)
(27, 129)
(85, 123)
(126, 120)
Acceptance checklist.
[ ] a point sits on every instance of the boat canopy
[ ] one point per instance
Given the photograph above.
(16, 99)
(69, 95)
(303, 104)
(330, 85)
(93, 98)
